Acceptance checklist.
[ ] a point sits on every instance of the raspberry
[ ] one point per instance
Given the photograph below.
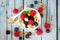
(17, 34)
(33, 13)
(40, 9)
(47, 26)
(39, 31)
(30, 21)
(15, 11)
(23, 16)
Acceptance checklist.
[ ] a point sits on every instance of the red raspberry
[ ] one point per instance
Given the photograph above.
(40, 9)
(23, 16)
(15, 11)
(47, 26)
(39, 31)
(16, 34)
(30, 22)
(33, 13)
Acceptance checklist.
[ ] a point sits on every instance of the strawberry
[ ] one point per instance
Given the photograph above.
(33, 13)
(30, 21)
(23, 16)
(15, 11)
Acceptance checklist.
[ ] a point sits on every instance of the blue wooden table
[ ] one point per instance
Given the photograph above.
(8, 5)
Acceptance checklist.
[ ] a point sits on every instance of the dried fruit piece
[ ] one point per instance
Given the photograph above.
(21, 21)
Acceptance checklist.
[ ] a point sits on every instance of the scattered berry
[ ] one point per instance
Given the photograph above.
(7, 32)
(27, 36)
(33, 13)
(15, 11)
(47, 31)
(16, 29)
(39, 31)
(29, 33)
(40, 9)
(17, 34)
(30, 22)
(20, 38)
(36, 2)
(47, 26)
(31, 5)
(23, 16)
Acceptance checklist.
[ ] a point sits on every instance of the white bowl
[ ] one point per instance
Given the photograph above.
(39, 18)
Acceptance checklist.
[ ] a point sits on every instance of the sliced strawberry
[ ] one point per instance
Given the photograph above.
(15, 11)
(30, 22)
(33, 13)
(23, 16)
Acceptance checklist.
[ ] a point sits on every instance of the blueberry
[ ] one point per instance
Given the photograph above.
(27, 36)
(7, 32)
(29, 33)
(30, 17)
(35, 23)
(36, 2)
(20, 38)
(16, 29)
(31, 5)
(47, 31)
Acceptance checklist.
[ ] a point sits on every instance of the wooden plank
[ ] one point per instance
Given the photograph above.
(52, 34)
(58, 20)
